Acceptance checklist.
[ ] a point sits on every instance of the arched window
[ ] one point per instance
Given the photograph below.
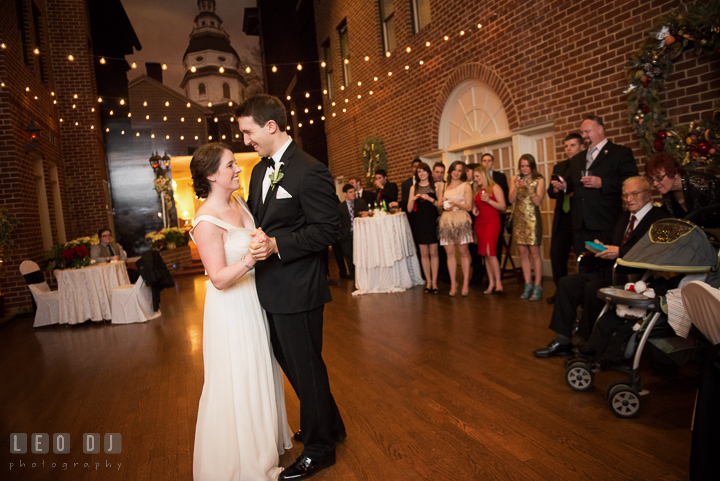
(201, 89)
(226, 91)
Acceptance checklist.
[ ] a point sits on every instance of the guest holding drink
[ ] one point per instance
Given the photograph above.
(489, 202)
(422, 203)
(527, 190)
(455, 226)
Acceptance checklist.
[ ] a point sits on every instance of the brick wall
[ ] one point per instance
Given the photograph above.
(549, 61)
(28, 95)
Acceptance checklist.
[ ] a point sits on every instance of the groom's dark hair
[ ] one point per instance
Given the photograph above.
(205, 161)
(262, 108)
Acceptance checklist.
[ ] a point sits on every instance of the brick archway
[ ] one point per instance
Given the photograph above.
(479, 72)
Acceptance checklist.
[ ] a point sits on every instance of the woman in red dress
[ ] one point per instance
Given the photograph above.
(489, 202)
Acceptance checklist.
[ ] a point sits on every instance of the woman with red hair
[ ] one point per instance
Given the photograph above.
(684, 192)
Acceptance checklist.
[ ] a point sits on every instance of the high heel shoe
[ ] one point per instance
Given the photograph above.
(528, 290)
(489, 290)
(452, 294)
(537, 293)
(465, 293)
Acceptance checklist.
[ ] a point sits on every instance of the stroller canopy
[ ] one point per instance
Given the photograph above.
(672, 245)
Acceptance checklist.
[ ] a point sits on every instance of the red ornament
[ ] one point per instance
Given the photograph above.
(659, 146)
(646, 83)
(703, 148)
(645, 109)
(661, 135)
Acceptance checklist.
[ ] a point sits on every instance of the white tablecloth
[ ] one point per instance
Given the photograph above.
(86, 293)
(384, 255)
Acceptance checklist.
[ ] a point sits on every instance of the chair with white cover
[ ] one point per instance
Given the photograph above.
(47, 301)
(702, 304)
(132, 303)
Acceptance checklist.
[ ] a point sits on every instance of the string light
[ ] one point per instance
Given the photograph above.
(52, 94)
(61, 120)
(36, 51)
(322, 64)
(209, 137)
(322, 118)
(27, 89)
(167, 104)
(359, 96)
(215, 119)
(221, 70)
(342, 87)
(112, 113)
(164, 118)
(193, 69)
(248, 69)
(137, 134)
(99, 100)
(375, 79)
(164, 66)
(144, 104)
(182, 119)
(408, 49)
(188, 105)
(147, 117)
(152, 136)
(292, 112)
(333, 104)
(92, 127)
(36, 97)
(209, 104)
(71, 58)
(319, 107)
(274, 68)
(3, 46)
(306, 110)
(232, 119)
(387, 54)
(107, 129)
(122, 101)
(102, 60)
(237, 136)
(427, 44)
(334, 114)
(311, 121)
(324, 91)
(359, 84)
(288, 97)
(307, 95)
(133, 65)
(389, 74)
(121, 133)
(407, 67)
(300, 124)
(462, 32)
(344, 110)
(199, 119)
(77, 123)
(167, 137)
(446, 38)
(421, 62)
(75, 96)
(479, 25)
(182, 137)
(129, 114)
(196, 137)
(73, 106)
(371, 92)
(299, 66)
(230, 104)
(223, 137)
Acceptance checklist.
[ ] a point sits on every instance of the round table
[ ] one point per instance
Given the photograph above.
(86, 293)
(384, 255)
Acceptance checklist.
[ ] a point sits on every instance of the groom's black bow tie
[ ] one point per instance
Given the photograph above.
(270, 162)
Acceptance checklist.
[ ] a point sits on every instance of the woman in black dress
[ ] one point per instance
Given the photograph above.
(422, 205)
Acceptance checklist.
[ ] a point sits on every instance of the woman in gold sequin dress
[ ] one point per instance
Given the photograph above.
(527, 190)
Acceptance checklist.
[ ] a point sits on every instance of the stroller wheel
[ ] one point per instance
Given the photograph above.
(623, 400)
(579, 376)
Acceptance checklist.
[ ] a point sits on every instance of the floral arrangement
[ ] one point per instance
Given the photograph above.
(71, 255)
(163, 187)
(698, 28)
(169, 238)
(374, 157)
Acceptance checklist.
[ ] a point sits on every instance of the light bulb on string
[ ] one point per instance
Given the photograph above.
(344, 110)
(367, 57)
(346, 100)
(479, 25)
(387, 54)
(129, 114)
(215, 119)
(152, 136)
(371, 92)
(71, 58)
(196, 137)
(193, 69)
(462, 32)
(167, 104)
(237, 136)
(92, 109)
(199, 120)
(334, 114)
(300, 124)
(407, 67)
(3, 46)
(319, 107)
(292, 112)
(112, 113)
(144, 104)
(133, 65)
(307, 95)
(421, 62)
(221, 70)
(147, 117)
(52, 94)
(36, 51)
(209, 137)
(122, 101)
(232, 119)
(92, 127)
(102, 60)
(306, 110)
(389, 74)
(137, 134)
(408, 50)
(299, 66)
(324, 91)
(342, 87)
(333, 104)
(274, 68)
(27, 89)
(427, 44)
(223, 137)
(164, 66)
(359, 95)
(359, 84)
(209, 104)
(182, 137)
(107, 129)
(75, 96)
(167, 137)
(288, 97)
(375, 79)
(99, 100)
(311, 121)
(165, 118)
(446, 38)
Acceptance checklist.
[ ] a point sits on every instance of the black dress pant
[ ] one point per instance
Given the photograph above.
(561, 243)
(572, 291)
(297, 343)
(339, 258)
(347, 253)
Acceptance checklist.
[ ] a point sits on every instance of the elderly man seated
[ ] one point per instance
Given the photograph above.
(582, 288)
(107, 250)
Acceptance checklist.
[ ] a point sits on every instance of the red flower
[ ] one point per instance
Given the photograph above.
(82, 251)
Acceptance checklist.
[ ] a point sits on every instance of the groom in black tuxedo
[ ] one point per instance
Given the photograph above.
(292, 197)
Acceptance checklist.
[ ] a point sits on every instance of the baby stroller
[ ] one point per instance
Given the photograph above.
(670, 245)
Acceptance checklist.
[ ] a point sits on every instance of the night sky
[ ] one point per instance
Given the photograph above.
(164, 26)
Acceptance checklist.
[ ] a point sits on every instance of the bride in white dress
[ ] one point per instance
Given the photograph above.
(242, 424)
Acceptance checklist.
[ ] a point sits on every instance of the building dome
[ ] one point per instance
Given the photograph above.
(212, 66)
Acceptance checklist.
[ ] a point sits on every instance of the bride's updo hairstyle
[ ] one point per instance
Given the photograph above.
(205, 162)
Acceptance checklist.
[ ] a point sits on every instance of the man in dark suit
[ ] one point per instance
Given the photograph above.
(349, 209)
(582, 287)
(595, 178)
(439, 178)
(386, 191)
(562, 232)
(292, 197)
(407, 183)
(361, 192)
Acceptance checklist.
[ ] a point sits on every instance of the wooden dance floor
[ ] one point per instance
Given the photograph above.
(430, 387)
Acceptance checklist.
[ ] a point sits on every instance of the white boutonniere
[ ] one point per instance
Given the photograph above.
(275, 175)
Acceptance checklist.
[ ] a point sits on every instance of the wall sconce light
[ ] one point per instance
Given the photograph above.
(33, 137)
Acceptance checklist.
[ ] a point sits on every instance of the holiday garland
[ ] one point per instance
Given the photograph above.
(374, 157)
(695, 27)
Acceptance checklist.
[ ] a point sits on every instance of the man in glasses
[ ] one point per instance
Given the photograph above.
(582, 287)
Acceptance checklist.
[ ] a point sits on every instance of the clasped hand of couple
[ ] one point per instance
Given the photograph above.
(261, 246)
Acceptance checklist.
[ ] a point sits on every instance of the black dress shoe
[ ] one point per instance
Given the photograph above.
(304, 467)
(297, 436)
(550, 300)
(554, 349)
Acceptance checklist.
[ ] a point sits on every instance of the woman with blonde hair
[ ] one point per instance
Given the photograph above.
(489, 202)
(527, 190)
(455, 226)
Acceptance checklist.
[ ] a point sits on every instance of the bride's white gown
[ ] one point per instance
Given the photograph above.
(242, 424)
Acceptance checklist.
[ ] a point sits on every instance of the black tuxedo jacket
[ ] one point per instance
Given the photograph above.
(405, 189)
(367, 196)
(303, 227)
(655, 214)
(389, 193)
(599, 209)
(500, 179)
(359, 206)
(560, 218)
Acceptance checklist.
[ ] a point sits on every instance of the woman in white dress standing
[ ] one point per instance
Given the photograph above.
(242, 424)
